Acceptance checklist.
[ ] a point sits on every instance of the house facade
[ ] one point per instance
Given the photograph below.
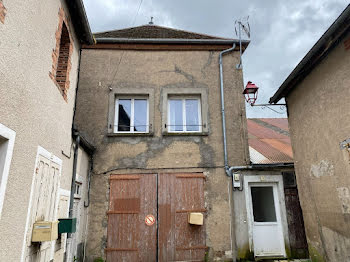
(149, 101)
(40, 51)
(320, 138)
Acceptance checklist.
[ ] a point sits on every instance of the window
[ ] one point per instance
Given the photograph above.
(185, 111)
(61, 56)
(78, 189)
(131, 115)
(3, 12)
(263, 204)
(184, 114)
(7, 140)
(62, 64)
(130, 111)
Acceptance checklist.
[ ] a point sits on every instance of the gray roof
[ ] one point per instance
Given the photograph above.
(324, 45)
(150, 34)
(153, 31)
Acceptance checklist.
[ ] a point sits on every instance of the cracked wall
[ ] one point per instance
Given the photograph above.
(318, 122)
(157, 70)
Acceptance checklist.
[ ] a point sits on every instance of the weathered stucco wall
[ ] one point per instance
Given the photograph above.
(32, 106)
(319, 120)
(162, 153)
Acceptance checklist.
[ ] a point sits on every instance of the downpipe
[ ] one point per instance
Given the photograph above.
(228, 169)
(72, 190)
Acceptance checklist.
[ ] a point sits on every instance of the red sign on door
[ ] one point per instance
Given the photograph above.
(149, 220)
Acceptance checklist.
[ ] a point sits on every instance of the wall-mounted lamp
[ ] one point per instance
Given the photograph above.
(251, 93)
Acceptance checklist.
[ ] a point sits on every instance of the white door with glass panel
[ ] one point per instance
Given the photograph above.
(266, 220)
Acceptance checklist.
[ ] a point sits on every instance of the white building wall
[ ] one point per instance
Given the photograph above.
(33, 107)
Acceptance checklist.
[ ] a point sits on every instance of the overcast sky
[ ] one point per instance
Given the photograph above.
(282, 32)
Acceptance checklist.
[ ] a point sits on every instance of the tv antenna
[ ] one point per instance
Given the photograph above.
(241, 25)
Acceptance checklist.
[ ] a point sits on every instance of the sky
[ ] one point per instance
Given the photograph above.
(282, 31)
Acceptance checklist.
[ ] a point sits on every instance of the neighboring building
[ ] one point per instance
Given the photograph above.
(40, 50)
(149, 100)
(268, 217)
(318, 115)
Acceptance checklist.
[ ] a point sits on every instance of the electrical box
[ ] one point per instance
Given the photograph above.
(67, 225)
(236, 180)
(45, 231)
(195, 219)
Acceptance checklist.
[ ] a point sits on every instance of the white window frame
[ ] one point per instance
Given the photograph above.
(184, 126)
(116, 115)
(10, 136)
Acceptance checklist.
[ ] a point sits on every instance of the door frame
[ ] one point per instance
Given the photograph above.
(266, 179)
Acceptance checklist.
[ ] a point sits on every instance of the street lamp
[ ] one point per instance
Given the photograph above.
(251, 93)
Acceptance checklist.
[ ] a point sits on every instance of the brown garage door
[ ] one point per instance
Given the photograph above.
(167, 197)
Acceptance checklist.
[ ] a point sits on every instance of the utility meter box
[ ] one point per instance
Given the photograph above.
(195, 219)
(67, 225)
(45, 231)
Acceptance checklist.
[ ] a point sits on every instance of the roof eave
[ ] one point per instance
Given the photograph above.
(105, 40)
(273, 166)
(80, 21)
(314, 56)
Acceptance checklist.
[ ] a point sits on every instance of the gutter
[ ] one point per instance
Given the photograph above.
(315, 55)
(80, 21)
(100, 40)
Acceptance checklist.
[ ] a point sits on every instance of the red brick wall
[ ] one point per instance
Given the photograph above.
(61, 56)
(2, 12)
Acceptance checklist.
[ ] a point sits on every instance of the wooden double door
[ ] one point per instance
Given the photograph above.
(148, 217)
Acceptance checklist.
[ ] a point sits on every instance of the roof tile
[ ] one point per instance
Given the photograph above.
(269, 141)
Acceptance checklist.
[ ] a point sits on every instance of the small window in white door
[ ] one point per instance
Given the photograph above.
(263, 204)
(184, 115)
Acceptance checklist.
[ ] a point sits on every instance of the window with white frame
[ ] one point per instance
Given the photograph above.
(131, 115)
(184, 114)
(7, 140)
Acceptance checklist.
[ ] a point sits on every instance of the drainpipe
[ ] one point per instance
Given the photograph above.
(228, 169)
(72, 189)
(89, 180)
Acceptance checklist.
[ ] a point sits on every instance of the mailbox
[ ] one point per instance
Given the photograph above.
(67, 225)
(195, 219)
(45, 231)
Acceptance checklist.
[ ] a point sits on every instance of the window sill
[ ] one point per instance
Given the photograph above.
(129, 134)
(185, 133)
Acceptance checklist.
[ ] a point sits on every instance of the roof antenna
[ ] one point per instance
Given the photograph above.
(151, 22)
(242, 25)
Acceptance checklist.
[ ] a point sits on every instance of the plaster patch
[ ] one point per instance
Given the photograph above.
(344, 197)
(324, 168)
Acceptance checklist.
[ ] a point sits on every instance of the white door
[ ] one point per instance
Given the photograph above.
(266, 220)
(44, 206)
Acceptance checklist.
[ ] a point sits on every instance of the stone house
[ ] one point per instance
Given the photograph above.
(318, 119)
(39, 74)
(149, 100)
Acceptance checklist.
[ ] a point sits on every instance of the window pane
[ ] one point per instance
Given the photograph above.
(263, 204)
(124, 115)
(140, 115)
(176, 123)
(192, 117)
